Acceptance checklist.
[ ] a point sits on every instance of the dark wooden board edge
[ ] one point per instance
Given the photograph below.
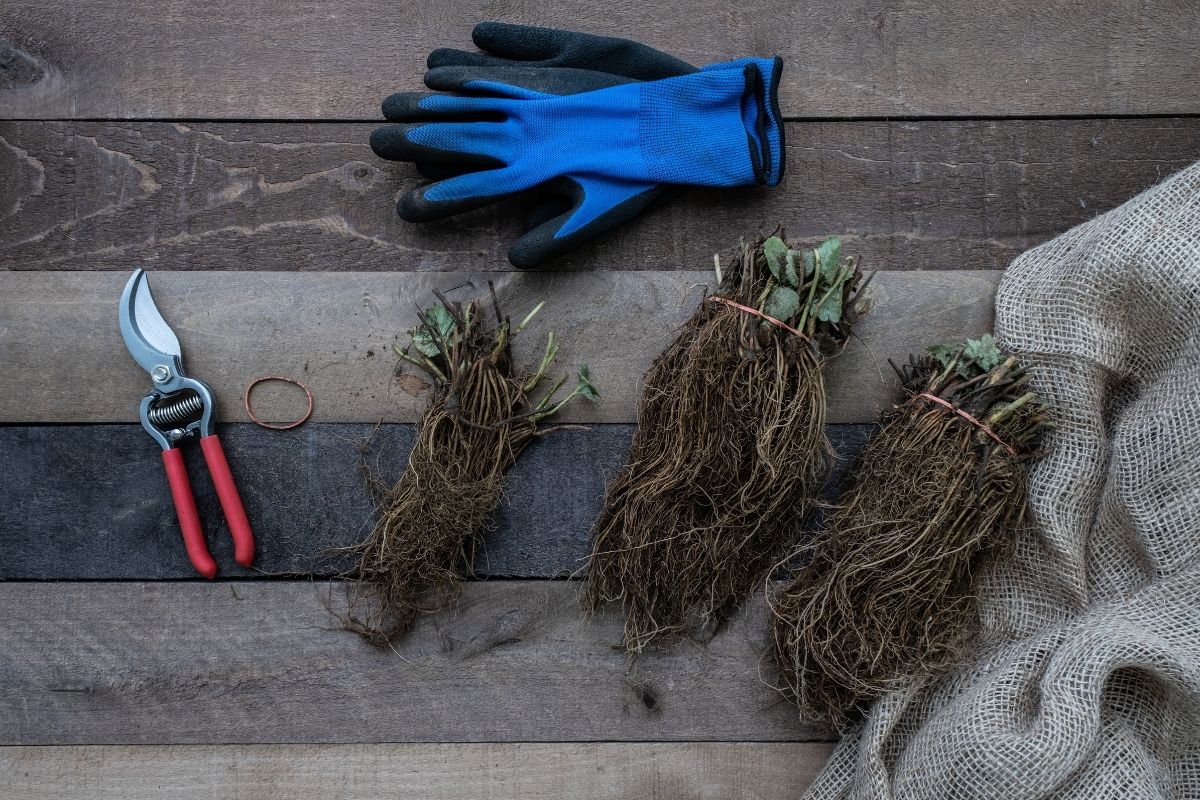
(84, 502)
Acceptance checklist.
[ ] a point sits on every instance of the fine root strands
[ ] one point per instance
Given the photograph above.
(887, 597)
(483, 414)
(730, 447)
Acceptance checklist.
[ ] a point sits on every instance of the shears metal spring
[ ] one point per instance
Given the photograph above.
(176, 409)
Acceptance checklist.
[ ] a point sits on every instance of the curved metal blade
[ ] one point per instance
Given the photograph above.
(147, 336)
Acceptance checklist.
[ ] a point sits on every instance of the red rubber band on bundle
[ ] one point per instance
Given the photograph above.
(714, 298)
(970, 419)
(287, 426)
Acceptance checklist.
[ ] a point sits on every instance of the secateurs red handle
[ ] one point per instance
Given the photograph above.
(231, 501)
(189, 517)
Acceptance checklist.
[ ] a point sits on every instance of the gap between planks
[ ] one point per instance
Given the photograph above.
(64, 360)
(510, 771)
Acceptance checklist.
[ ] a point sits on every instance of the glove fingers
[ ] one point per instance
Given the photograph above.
(518, 81)
(590, 213)
(523, 42)
(558, 48)
(422, 106)
(471, 144)
(449, 57)
(457, 195)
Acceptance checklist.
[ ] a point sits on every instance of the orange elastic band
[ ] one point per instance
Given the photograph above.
(285, 426)
(714, 298)
(1011, 451)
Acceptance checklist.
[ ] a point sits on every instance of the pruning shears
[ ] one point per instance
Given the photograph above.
(179, 408)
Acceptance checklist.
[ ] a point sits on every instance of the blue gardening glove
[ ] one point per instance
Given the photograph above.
(608, 149)
(555, 62)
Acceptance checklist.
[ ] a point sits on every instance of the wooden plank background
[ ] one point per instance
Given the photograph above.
(70, 518)
(224, 149)
(277, 60)
(256, 661)
(335, 332)
(961, 194)
(526, 771)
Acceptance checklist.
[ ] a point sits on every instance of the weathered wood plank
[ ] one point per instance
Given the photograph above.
(904, 195)
(522, 771)
(62, 358)
(273, 60)
(265, 662)
(90, 502)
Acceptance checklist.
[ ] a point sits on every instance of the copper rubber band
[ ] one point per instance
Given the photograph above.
(778, 323)
(288, 425)
(1011, 450)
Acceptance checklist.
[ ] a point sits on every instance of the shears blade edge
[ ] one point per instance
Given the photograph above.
(147, 336)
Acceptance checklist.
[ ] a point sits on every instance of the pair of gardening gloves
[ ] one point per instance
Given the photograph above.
(599, 128)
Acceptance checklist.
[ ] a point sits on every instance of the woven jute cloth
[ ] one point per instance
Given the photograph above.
(1086, 683)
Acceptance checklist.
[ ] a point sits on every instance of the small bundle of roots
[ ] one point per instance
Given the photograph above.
(730, 447)
(888, 598)
(479, 421)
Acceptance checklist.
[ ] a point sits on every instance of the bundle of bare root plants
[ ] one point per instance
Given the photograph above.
(482, 415)
(888, 598)
(730, 446)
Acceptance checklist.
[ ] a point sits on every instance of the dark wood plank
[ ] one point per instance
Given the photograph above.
(63, 360)
(522, 771)
(276, 60)
(90, 502)
(264, 661)
(904, 195)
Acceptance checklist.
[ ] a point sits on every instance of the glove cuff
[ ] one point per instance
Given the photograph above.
(721, 127)
(761, 115)
(767, 127)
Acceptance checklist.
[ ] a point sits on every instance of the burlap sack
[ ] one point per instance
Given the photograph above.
(1088, 680)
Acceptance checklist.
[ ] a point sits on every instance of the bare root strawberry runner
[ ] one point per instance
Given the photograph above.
(482, 416)
(887, 597)
(730, 446)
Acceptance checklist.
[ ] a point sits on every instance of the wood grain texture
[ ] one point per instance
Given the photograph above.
(266, 662)
(90, 502)
(62, 358)
(524, 771)
(214, 196)
(276, 60)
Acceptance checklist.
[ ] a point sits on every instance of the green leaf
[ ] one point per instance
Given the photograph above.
(830, 254)
(794, 259)
(799, 259)
(810, 262)
(775, 252)
(782, 304)
(830, 309)
(944, 353)
(438, 327)
(585, 385)
(984, 352)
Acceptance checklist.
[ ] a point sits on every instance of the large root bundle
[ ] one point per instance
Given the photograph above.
(730, 446)
(888, 597)
(480, 419)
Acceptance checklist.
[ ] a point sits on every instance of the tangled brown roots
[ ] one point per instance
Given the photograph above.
(888, 597)
(432, 520)
(729, 450)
